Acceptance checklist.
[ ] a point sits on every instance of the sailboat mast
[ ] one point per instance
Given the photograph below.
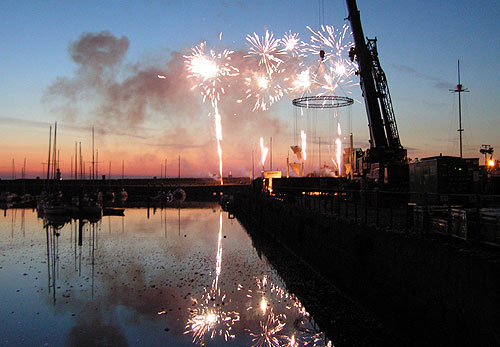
(48, 161)
(54, 161)
(93, 172)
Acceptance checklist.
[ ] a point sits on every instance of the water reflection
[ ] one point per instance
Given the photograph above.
(53, 226)
(184, 276)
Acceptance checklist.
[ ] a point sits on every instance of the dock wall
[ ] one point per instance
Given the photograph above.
(429, 291)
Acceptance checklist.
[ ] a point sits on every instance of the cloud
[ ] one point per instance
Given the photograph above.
(437, 82)
(23, 122)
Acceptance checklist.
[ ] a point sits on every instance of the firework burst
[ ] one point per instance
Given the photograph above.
(269, 334)
(209, 320)
(292, 45)
(267, 49)
(264, 89)
(335, 68)
(210, 71)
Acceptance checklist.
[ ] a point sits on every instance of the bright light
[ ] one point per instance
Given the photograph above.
(263, 82)
(491, 163)
(263, 151)
(204, 67)
(340, 69)
(338, 145)
(303, 137)
(211, 318)
(303, 81)
(263, 305)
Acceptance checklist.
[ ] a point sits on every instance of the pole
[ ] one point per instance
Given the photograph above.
(460, 130)
(123, 168)
(459, 89)
(93, 173)
(81, 161)
(319, 149)
(48, 162)
(97, 163)
(165, 168)
(271, 154)
(55, 152)
(351, 159)
(76, 160)
(109, 172)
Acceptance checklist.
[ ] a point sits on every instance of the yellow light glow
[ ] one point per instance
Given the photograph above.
(263, 305)
(491, 163)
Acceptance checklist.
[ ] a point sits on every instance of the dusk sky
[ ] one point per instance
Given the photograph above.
(49, 73)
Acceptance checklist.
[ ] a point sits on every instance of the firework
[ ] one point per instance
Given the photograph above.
(303, 137)
(303, 81)
(263, 152)
(266, 48)
(264, 89)
(208, 318)
(218, 263)
(269, 332)
(292, 45)
(335, 68)
(210, 71)
(218, 136)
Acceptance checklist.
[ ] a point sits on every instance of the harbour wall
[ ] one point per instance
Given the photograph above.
(138, 189)
(428, 290)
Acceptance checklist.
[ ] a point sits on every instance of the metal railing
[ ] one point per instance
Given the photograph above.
(465, 216)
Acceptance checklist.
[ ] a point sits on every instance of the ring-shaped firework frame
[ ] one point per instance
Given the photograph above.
(323, 101)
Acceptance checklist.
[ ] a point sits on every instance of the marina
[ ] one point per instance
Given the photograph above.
(240, 174)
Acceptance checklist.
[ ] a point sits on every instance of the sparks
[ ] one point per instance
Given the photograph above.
(263, 152)
(269, 333)
(266, 48)
(303, 137)
(218, 136)
(335, 67)
(264, 89)
(263, 305)
(338, 155)
(292, 45)
(218, 264)
(210, 71)
(303, 81)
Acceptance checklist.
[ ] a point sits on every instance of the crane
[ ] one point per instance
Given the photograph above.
(386, 154)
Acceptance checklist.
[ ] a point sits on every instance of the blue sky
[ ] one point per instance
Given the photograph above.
(419, 44)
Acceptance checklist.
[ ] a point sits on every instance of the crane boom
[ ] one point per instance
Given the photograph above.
(385, 145)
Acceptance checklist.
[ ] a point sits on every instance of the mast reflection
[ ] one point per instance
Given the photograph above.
(53, 226)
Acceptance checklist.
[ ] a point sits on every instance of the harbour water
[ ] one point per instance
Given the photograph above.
(169, 277)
